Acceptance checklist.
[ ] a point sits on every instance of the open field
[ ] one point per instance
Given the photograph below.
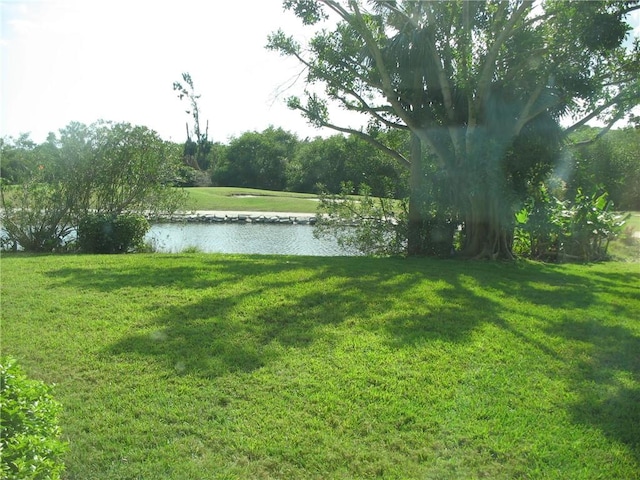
(634, 221)
(249, 199)
(208, 366)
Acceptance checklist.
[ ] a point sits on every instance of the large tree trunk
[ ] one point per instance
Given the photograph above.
(488, 233)
(415, 227)
(427, 234)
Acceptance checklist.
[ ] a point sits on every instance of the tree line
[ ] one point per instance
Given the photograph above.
(476, 113)
(94, 178)
(276, 159)
(273, 159)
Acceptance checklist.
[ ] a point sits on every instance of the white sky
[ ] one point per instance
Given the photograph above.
(84, 60)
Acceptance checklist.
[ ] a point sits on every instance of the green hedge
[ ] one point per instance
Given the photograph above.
(99, 233)
(30, 445)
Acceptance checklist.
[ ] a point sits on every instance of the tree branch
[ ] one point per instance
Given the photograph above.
(368, 138)
(602, 131)
(486, 73)
(597, 111)
(357, 22)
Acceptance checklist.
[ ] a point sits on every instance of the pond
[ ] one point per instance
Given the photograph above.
(280, 239)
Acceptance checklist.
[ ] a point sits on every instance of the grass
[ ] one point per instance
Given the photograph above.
(633, 221)
(248, 199)
(209, 366)
(627, 246)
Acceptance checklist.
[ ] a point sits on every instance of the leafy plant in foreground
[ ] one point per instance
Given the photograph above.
(578, 230)
(30, 445)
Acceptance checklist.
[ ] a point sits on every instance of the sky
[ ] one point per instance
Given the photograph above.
(85, 60)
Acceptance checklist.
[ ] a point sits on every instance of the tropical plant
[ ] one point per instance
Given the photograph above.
(580, 229)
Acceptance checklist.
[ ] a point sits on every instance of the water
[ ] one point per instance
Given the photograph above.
(243, 238)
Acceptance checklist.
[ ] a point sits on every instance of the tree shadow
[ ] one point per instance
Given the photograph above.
(247, 311)
(166, 271)
(281, 307)
(604, 378)
(278, 305)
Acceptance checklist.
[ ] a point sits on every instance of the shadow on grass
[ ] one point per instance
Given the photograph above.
(607, 398)
(245, 308)
(254, 309)
(238, 314)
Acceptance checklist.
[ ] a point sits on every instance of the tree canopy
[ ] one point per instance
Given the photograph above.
(104, 168)
(483, 86)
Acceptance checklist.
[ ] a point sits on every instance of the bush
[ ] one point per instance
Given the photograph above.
(578, 230)
(99, 233)
(370, 225)
(30, 445)
(35, 215)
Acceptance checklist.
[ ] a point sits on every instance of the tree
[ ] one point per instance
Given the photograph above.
(613, 162)
(17, 156)
(104, 168)
(480, 85)
(195, 152)
(331, 162)
(257, 160)
(119, 167)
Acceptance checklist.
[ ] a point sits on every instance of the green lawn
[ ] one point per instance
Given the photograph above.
(248, 199)
(209, 366)
(633, 222)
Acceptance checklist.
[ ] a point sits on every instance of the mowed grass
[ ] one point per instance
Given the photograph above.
(249, 199)
(627, 246)
(200, 366)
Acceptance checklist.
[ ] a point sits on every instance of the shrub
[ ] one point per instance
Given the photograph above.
(579, 230)
(371, 225)
(100, 233)
(30, 445)
(35, 216)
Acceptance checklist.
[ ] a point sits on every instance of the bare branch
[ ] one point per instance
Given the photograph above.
(602, 131)
(597, 111)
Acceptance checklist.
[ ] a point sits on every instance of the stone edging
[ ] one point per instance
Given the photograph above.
(222, 217)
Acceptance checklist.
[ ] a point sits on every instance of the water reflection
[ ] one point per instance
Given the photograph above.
(243, 238)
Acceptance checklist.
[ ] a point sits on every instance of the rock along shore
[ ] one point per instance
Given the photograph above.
(217, 216)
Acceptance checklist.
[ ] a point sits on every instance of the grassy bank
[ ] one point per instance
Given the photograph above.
(206, 366)
(249, 199)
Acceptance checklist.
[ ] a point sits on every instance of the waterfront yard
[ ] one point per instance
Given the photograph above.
(197, 366)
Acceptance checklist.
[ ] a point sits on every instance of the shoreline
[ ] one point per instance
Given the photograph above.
(238, 216)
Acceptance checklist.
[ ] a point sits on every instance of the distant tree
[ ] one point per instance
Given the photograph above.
(336, 160)
(317, 162)
(257, 160)
(18, 158)
(196, 152)
(612, 162)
